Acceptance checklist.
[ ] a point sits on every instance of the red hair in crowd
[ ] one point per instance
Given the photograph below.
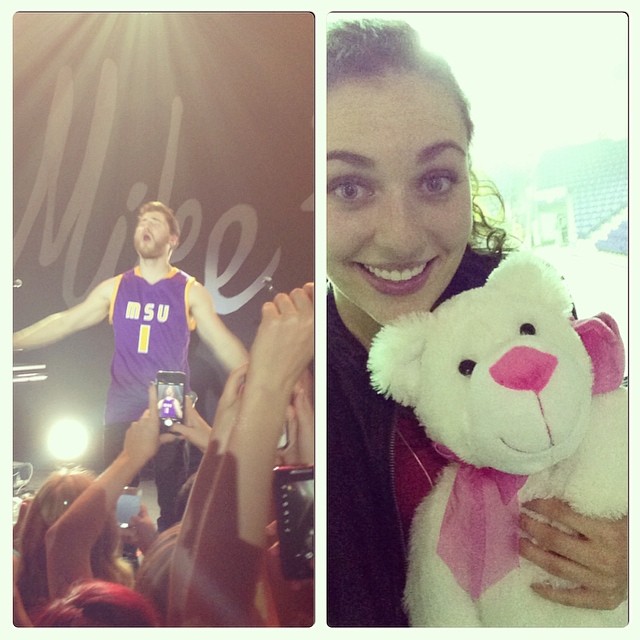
(98, 603)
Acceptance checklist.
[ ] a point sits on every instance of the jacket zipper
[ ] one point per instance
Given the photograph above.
(392, 460)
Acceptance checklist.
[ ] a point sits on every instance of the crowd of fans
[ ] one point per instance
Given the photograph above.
(218, 565)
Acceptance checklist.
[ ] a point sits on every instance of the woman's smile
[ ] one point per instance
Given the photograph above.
(396, 275)
(396, 280)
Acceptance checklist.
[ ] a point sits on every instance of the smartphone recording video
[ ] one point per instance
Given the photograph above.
(293, 490)
(128, 505)
(170, 390)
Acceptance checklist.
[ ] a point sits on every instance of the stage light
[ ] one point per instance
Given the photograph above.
(68, 440)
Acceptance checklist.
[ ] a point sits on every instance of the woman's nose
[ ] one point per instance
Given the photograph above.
(399, 226)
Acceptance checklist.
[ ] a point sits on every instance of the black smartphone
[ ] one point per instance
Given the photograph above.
(170, 389)
(293, 491)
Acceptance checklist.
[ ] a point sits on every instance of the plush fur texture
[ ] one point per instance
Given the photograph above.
(501, 377)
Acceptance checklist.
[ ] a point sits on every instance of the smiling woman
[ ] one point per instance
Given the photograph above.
(405, 231)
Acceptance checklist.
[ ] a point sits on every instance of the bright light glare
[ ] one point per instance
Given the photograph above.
(68, 439)
(535, 80)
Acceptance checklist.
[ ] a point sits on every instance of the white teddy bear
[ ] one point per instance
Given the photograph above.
(528, 404)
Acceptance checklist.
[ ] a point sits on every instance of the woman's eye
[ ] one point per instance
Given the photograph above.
(348, 190)
(438, 183)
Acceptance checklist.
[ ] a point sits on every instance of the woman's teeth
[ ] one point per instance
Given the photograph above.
(396, 275)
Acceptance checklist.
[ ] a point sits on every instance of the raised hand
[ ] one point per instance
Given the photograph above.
(284, 345)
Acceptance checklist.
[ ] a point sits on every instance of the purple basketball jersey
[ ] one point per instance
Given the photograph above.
(151, 327)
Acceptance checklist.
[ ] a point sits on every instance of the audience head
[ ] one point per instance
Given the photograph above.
(152, 578)
(50, 502)
(98, 603)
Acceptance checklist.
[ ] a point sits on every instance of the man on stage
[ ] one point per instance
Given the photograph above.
(153, 308)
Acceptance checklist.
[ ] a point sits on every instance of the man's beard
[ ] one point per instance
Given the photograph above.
(149, 250)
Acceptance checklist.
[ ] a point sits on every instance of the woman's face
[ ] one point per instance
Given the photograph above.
(398, 197)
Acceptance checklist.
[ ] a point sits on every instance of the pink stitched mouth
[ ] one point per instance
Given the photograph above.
(549, 435)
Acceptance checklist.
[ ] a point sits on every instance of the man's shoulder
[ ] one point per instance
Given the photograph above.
(196, 290)
(107, 286)
(181, 275)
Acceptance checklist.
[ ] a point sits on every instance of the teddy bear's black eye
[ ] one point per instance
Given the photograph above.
(466, 367)
(527, 329)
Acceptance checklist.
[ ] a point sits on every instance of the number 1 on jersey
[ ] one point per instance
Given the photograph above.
(143, 338)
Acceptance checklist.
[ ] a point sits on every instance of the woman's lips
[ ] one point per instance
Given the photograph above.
(397, 281)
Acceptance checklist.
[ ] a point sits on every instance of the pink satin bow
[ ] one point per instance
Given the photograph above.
(480, 531)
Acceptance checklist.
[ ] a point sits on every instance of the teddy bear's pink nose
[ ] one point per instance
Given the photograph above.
(524, 369)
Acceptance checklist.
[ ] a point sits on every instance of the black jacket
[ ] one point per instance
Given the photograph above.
(366, 559)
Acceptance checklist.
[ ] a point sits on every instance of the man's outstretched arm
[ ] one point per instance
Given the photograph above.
(224, 345)
(57, 326)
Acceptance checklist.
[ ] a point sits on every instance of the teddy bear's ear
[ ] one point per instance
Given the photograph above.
(394, 357)
(524, 272)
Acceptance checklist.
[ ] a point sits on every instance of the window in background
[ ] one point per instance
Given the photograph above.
(549, 100)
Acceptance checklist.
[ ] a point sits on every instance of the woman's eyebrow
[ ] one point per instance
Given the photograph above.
(433, 150)
(351, 158)
(424, 155)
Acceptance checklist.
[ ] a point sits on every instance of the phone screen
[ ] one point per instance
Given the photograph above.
(128, 505)
(294, 496)
(170, 390)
